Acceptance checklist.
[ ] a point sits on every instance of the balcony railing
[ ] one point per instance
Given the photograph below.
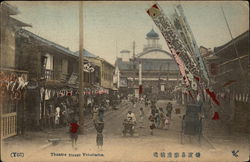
(47, 74)
(9, 125)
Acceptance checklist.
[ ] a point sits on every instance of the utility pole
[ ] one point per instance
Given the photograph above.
(134, 68)
(81, 76)
(235, 49)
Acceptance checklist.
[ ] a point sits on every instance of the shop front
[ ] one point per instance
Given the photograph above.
(12, 101)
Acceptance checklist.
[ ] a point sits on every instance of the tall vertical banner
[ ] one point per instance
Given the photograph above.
(188, 68)
(194, 45)
(181, 55)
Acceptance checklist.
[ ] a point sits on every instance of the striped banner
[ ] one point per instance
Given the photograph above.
(181, 55)
(188, 68)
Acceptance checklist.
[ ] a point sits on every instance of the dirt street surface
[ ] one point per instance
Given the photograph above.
(141, 147)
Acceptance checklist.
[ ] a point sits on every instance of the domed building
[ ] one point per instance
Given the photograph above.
(159, 71)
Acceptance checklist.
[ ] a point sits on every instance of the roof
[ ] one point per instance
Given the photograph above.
(148, 64)
(45, 41)
(152, 34)
(59, 47)
(18, 22)
(85, 53)
(227, 50)
(11, 10)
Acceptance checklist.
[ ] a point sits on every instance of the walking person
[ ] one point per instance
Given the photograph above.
(101, 111)
(169, 109)
(57, 116)
(146, 102)
(142, 115)
(162, 117)
(157, 118)
(74, 127)
(95, 114)
(152, 123)
(51, 117)
(167, 121)
(99, 137)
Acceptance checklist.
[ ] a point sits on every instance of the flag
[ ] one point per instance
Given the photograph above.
(216, 116)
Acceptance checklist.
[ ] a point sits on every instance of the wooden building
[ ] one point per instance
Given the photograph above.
(53, 77)
(13, 79)
(230, 80)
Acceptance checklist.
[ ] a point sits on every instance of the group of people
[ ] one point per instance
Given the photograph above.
(58, 116)
(158, 118)
(98, 120)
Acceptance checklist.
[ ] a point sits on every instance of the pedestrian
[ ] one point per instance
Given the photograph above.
(101, 111)
(131, 116)
(51, 116)
(169, 109)
(162, 117)
(66, 114)
(74, 133)
(167, 121)
(146, 102)
(99, 137)
(152, 123)
(157, 118)
(142, 114)
(95, 114)
(57, 116)
(153, 110)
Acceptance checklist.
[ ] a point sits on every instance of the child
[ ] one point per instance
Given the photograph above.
(74, 132)
(167, 121)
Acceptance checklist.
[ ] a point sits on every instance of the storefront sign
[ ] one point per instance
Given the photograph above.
(87, 67)
(123, 82)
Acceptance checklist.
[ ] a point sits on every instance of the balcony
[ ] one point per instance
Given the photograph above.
(48, 74)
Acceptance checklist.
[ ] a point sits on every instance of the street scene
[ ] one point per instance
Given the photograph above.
(124, 81)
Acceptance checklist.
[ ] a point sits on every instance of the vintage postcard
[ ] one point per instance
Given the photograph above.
(124, 81)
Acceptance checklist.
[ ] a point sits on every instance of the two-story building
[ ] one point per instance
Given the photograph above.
(228, 69)
(13, 79)
(103, 86)
(53, 77)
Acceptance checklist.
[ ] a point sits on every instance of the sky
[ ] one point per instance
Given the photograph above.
(112, 26)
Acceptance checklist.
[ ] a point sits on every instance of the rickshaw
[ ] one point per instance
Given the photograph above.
(192, 122)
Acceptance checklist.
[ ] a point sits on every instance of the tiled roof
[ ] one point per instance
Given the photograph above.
(240, 37)
(85, 53)
(45, 41)
(52, 44)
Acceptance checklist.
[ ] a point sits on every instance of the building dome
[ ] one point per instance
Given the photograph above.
(152, 34)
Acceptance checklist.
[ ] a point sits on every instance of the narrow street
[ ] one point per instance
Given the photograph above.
(116, 147)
